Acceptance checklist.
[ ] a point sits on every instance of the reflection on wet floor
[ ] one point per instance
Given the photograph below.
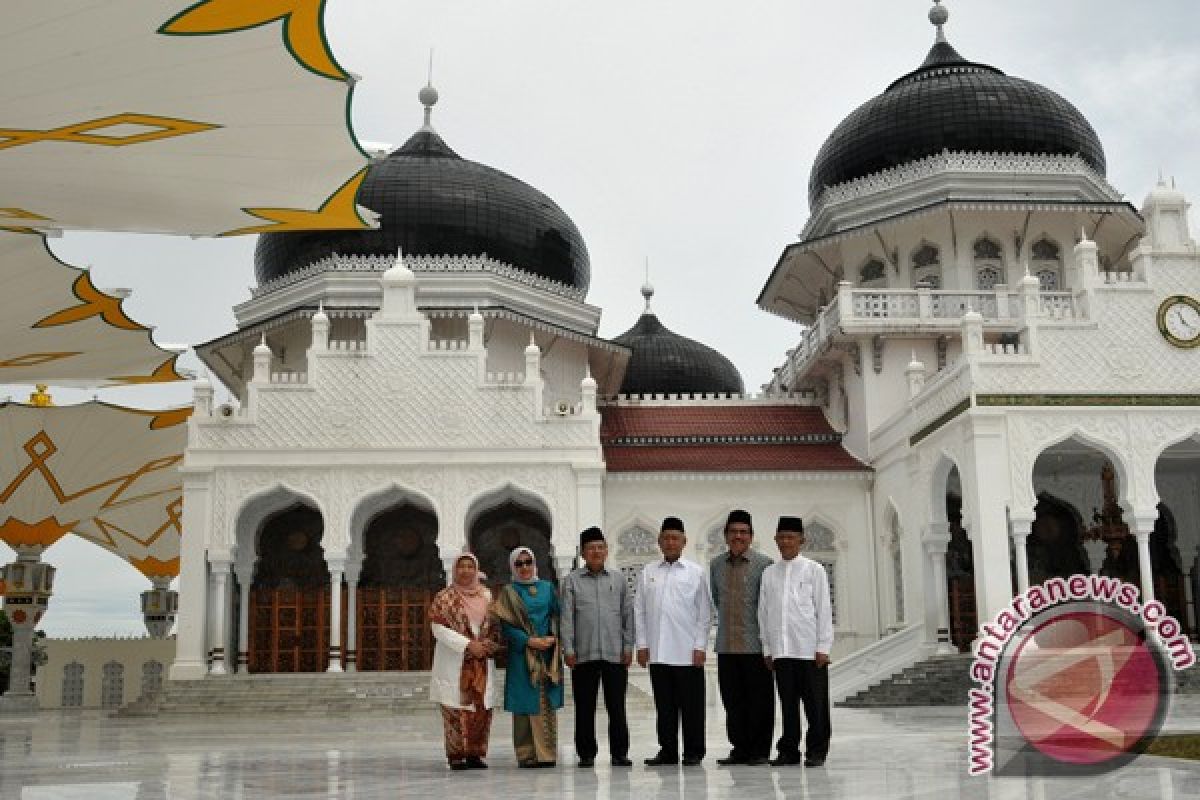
(909, 753)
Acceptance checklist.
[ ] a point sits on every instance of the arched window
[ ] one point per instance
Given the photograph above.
(1046, 264)
(988, 263)
(72, 685)
(112, 685)
(897, 570)
(821, 546)
(927, 266)
(635, 547)
(152, 678)
(872, 273)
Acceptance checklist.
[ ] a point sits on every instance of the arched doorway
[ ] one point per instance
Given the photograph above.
(401, 572)
(960, 571)
(499, 530)
(289, 596)
(1055, 547)
(1165, 563)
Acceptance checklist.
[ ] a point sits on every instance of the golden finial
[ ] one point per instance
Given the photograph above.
(41, 398)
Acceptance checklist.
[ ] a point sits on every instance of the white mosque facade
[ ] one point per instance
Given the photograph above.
(995, 383)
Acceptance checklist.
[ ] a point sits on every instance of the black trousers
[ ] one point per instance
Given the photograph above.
(587, 677)
(749, 700)
(678, 695)
(801, 681)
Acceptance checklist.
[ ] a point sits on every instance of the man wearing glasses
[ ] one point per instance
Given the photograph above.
(597, 639)
(673, 614)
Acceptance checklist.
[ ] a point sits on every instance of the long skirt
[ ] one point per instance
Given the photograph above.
(466, 731)
(535, 736)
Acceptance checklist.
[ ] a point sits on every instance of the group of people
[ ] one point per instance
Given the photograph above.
(774, 633)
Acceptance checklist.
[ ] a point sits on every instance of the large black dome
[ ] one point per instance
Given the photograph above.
(433, 202)
(663, 362)
(949, 103)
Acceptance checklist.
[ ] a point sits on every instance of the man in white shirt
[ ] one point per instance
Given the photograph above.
(672, 616)
(795, 620)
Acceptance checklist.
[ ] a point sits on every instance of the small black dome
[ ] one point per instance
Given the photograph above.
(949, 103)
(433, 202)
(667, 363)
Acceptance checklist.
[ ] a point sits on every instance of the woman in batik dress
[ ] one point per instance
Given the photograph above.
(467, 640)
(533, 688)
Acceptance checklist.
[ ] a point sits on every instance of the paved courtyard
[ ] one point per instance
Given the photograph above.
(909, 753)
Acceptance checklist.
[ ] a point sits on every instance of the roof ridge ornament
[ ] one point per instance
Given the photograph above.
(647, 288)
(939, 15)
(428, 97)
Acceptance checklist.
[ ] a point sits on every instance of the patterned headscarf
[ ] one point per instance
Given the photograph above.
(475, 596)
(512, 564)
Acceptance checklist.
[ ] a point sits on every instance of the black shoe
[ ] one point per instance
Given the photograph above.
(661, 760)
(622, 762)
(814, 762)
(527, 764)
(730, 761)
(546, 764)
(584, 763)
(757, 761)
(785, 760)
(457, 765)
(692, 761)
(475, 762)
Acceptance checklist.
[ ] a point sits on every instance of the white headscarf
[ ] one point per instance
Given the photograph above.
(512, 564)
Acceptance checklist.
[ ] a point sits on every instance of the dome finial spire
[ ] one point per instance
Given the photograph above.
(647, 288)
(428, 96)
(938, 15)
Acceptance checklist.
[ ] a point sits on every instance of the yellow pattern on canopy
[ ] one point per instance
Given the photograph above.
(166, 116)
(107, 473)
(57, 327)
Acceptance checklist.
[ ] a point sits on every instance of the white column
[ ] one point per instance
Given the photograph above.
(449, 556)
(1095, 549)
(245, 578)
(192, 628)
(220, 573)
(352, 619)
(1145, 526)
(1020, 531)
(985, 488)
(336, 568)
(935, 541)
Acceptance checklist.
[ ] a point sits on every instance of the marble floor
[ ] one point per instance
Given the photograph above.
(903, 753)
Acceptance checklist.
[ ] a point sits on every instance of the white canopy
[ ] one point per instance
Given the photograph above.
(207, 118)
(108, 473)
(57, 327)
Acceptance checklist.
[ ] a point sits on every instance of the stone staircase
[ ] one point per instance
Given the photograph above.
(307, 693)
(945, 680)
(937, 681)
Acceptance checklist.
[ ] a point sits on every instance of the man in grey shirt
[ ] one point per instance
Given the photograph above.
(745, 682)
(597, 643)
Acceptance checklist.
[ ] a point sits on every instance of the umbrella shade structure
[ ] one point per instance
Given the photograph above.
(161, 116)
(57, 328)
(107, 473)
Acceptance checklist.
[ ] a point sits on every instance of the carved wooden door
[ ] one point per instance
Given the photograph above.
(393, 629)
(289, 629)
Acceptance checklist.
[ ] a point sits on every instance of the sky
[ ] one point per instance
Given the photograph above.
(678, 132)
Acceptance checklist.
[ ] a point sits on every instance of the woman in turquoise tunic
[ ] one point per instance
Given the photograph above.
(533, 688)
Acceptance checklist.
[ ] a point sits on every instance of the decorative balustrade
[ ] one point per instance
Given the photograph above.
(1057, 305)
(506, 378)
(348, 345)
(448, 345)
(289, 378)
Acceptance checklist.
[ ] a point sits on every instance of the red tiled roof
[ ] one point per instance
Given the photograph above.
(673, 438)
(713, 420)
(732, 458)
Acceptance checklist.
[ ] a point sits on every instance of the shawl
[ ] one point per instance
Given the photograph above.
(449, 610)
(510, 609)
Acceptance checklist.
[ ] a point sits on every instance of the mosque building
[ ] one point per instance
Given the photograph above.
(991, 387)
(992, 383)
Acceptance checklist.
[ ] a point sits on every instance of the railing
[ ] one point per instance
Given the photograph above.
(884, 304)
(286, 378)
(952, 305)
(1058, 305)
